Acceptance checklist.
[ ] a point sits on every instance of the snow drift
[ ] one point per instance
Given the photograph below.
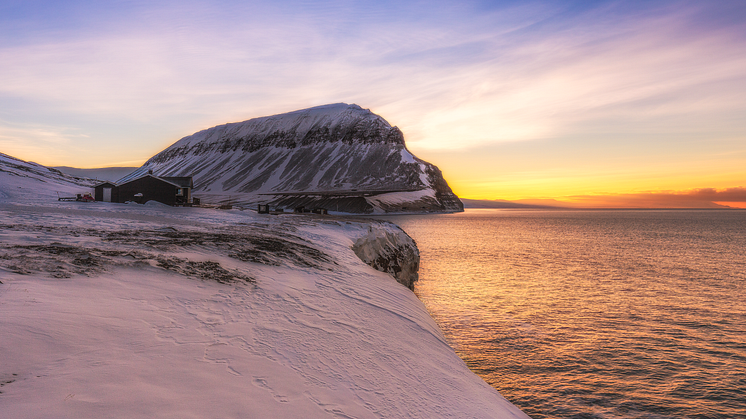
(340, 157)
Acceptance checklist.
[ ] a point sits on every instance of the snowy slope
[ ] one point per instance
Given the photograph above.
(328, 149)
(142, 311)
(25, 180)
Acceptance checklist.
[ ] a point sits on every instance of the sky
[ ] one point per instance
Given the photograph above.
(594, 103)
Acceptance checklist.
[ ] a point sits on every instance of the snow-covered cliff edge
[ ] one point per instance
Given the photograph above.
(141, 311)
(340, 157)
(146, 311)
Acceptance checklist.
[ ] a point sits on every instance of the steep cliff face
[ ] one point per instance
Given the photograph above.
(340, 157)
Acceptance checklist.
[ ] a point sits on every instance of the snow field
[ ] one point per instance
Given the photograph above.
(132, 339)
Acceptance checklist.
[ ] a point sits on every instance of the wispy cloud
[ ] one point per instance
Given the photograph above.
(460, 75)
(645, 72)
(38, 140)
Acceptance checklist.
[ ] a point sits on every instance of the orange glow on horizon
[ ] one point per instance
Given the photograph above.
(732, 197)
(740, 205)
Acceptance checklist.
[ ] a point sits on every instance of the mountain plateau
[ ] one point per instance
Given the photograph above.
(340, 157)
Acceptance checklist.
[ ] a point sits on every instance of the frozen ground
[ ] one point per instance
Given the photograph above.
(113, 310)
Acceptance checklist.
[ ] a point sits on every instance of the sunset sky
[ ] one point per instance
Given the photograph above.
(595, 103)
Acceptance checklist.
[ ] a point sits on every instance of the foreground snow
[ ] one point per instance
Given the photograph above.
(111, 310)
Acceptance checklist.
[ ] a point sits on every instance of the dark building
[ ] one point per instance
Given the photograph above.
(106, 192)
(186, 184)
(166, 190)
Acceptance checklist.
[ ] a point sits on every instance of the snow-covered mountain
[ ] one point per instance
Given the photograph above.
(341, 157)
(22, 179)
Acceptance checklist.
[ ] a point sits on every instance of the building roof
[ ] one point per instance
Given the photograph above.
(105, 183)
(179, 182)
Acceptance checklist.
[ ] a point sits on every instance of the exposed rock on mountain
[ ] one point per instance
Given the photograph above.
(339, 157)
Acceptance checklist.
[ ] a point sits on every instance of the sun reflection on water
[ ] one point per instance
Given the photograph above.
(596, 314)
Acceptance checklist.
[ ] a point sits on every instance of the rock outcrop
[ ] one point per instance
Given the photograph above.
(387, 248)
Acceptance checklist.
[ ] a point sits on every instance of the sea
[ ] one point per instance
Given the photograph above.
(593, 314)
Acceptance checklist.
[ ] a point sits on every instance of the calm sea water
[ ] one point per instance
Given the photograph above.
(594, 314)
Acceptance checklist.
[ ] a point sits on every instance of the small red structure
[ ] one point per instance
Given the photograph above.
(81, 197)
